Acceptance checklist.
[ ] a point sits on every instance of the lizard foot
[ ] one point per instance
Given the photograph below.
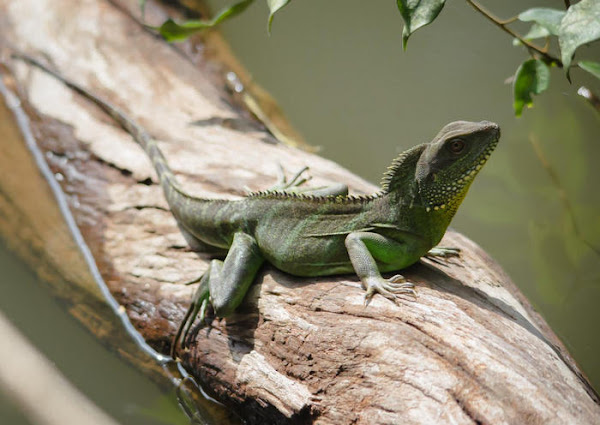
(197, 309)
(389, 288)
(444, 252)
(297, 180)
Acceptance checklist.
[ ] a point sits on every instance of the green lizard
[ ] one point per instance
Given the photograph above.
(326, 233)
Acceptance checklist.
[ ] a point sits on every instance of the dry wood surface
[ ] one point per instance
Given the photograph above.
(470, 350)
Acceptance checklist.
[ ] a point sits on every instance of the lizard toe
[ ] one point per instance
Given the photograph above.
(397, 278)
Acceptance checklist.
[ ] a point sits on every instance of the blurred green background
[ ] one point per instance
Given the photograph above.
(337, 69)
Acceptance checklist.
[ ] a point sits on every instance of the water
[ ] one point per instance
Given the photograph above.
(118, 389)
(338, 70)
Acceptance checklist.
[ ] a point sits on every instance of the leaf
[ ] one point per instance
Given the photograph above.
(274, 7)
(536, 31)
(591, 67)
(545, 17)
(172, 31)
(580, 25)
(417, 14)
(532, 77)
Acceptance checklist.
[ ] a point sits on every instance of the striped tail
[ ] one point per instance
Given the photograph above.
(171, 187)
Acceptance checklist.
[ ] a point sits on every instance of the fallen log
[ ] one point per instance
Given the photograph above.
(471, 349)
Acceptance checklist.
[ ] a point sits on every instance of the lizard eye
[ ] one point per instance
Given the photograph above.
(456, 146)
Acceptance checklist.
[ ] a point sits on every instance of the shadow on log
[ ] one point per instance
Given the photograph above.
(470, 350)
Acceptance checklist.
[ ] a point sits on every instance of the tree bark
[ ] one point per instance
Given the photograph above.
(470, 349)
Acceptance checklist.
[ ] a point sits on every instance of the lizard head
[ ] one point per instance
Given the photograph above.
(450, 162)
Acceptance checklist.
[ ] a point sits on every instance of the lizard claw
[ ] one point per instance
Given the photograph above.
(397, 278)
(444, 252)
(298, 179)
(390, 289)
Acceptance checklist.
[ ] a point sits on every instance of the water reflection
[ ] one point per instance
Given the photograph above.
(113, 385)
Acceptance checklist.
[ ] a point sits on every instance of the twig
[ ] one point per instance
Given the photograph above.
(502, 25)
(562, 193)
(592, 98)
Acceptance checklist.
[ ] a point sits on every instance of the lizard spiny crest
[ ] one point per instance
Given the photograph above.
(336, 199)
(401, 170)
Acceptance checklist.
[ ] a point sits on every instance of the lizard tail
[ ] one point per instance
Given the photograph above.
(166, 178)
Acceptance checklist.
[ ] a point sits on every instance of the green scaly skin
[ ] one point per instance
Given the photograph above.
(324, 233)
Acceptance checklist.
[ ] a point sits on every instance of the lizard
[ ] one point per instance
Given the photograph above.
(327, 231)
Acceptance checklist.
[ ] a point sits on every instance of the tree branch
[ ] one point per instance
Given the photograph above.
(533, 49)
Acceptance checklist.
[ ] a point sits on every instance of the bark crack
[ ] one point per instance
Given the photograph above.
(466, 410)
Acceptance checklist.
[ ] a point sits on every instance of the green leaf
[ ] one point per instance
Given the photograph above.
(532, 77)
(172, 31)
(580, 25)
(536, 31)
(417, 14)
(591, 67)
(274, 7)
(545, 17)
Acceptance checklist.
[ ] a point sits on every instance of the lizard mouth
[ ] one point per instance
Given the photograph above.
(480, 160)
(449, 196)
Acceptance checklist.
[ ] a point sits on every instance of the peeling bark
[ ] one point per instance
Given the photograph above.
(470, 350)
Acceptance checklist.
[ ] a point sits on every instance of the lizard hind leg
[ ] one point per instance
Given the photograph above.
(295, 183)
(224, 284)
(292, 184)
(196, 309)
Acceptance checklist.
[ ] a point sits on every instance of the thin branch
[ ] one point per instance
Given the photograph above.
(508, 21)
(562, 193)
(502, 25)
(592, 98)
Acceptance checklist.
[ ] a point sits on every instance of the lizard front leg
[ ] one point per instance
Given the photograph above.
(363, 248)
(225, 283)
